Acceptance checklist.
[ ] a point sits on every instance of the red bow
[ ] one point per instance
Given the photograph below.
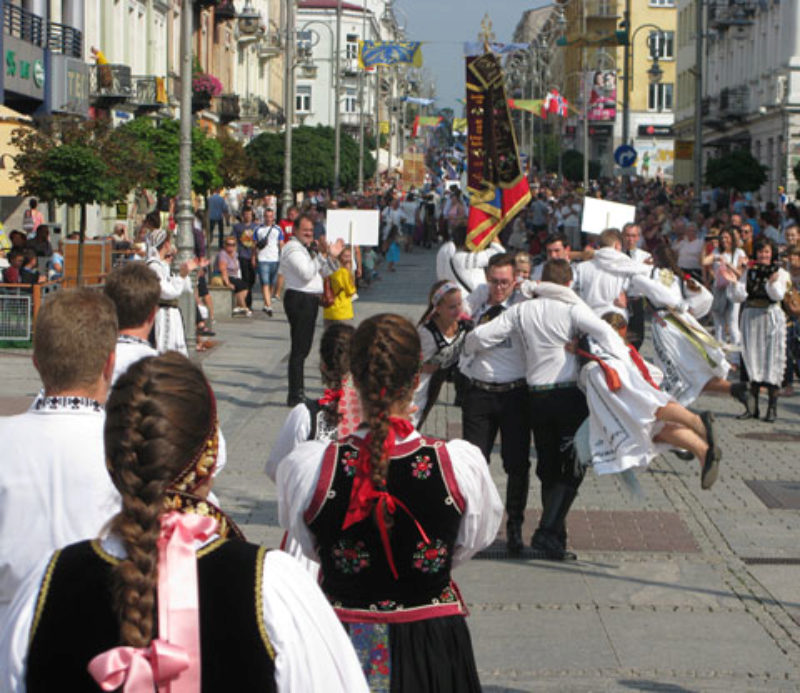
(642, 366)
(330, 396)
(612, 377)
(364, 497)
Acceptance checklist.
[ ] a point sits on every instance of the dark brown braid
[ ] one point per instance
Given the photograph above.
(334, 355)
(157, 417)
(384, 361)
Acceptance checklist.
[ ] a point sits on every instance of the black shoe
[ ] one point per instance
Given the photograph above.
(710, 468)
(684, 455)
(740, 392)
(708, 421)
(772, 405)
(548, 546)
(514, 542)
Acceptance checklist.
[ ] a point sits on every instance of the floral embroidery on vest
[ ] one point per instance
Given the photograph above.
(349, 463)
(421, 467)
(350, 558)
(448, 595)
(430, 558)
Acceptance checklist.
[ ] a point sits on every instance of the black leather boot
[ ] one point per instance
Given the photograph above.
(752, 410)
(772, 404)
(549, 540)
(516, 500)
(739, 391)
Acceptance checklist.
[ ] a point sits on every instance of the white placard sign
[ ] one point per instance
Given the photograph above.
(364, 224)
(599, 215)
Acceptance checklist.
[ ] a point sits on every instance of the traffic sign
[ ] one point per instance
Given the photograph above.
(625, 155)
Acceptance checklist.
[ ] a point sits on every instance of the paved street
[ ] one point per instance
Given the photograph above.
(683, 590)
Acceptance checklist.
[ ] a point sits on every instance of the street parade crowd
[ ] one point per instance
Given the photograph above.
(130, 573)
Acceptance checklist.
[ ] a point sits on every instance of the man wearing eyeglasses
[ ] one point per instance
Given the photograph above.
(496, 397)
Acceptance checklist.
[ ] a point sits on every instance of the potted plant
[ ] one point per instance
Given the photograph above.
(204, 88)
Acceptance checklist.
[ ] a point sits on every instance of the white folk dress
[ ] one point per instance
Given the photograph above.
(170, 335)
(686, 353)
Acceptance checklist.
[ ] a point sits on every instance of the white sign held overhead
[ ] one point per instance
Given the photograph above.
(599, 215)
(353, 226)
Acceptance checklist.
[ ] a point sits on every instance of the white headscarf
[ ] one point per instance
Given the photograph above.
(155, 239)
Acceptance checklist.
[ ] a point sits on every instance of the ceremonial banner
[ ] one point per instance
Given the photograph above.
(413, 170)
(424, 122)
(530, 105)
(372, 53)
(495, 180)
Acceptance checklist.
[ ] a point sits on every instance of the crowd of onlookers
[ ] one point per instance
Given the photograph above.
(27, 256)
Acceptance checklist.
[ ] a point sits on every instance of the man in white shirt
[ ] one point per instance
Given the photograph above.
(556, 247)
(392, 216)
(631, 235)
(54, 487)
(557, 407)
(303, 268)
(496, 397)
(689, 250)
(268, 239)
(134, 289)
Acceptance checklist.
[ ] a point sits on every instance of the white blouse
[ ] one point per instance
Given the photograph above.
(313, 651)
(299, 472)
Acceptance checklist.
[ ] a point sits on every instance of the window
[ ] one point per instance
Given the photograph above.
(305, 41)
(659, 97)
(662, 44)
(303, 98)
(662, 3)
(350, 101)
(351, 47)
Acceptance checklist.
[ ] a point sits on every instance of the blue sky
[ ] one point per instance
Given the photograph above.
(444, 25)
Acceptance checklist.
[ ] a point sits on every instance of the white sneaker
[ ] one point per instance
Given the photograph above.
(239, 311)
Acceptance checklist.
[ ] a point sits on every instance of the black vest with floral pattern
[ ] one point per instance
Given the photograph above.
(356, 576)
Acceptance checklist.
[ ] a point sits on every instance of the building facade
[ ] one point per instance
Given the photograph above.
(751, 85)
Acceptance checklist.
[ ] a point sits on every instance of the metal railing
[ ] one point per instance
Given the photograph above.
(65, 39)
(19, 306)
(228, 107)
(110, 82)
(148, 92)
(23, 24)
(602, 8)
(734, 101)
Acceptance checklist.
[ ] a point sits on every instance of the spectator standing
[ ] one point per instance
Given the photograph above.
(53, 472)
(32, 218)
(343, 286)
(690, 250)
(245, 251)
(301, 265)
(269, 239)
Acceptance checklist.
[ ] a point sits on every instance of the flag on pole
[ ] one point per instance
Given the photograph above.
(554, 102)
(426, 122)
(530, 105)
(498, 188)
(372, 53)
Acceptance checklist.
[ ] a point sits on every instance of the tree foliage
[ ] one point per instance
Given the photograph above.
(572, 166)
(737, 170)
(234, 166)
(163, 141)
(312, 160)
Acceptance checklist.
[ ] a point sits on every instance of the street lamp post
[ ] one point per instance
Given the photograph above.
(287, 196)
(337, 118)
(185, 214)
(697, 154)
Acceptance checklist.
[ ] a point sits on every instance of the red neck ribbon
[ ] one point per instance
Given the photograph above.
(612, 377)
(636, 357)
(330, 396)
(365, 498)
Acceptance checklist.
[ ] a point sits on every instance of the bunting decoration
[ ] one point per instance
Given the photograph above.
(498, 188)
(554, 102)
(373, 53)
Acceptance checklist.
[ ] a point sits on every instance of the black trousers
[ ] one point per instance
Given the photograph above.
(249, 278)
(555, 416)
(484, 413)
(219, 223)
(636, 321)
(301, 310)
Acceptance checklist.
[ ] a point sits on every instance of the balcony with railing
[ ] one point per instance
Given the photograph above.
(602, 9)
(23, 25)
(65, 40)
(228, 107)
(110, 84)
(734, 102)
(149, 93)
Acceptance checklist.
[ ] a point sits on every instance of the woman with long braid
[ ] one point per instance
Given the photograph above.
(172, 595)
(388, 513)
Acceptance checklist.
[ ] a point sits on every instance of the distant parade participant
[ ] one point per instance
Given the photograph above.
(441, 329)
(54, 485)
(467, 268)
(763, 287)
(496, 395)
(389, 513)
(557, 407)
(134, 288)
(170, 595)
(169, 331)
(631, 420)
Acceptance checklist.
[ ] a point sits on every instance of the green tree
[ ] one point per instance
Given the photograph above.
(234, 165)
(163, 141)
(737, 170)
(312, 160)
(572, 166)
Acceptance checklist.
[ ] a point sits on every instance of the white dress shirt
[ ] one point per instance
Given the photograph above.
(130, 350)
(300, 271)
(503, 363)
(54, 486)
(468, 269)
(545, 326)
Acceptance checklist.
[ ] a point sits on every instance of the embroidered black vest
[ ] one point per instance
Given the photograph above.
(447, 353)
(757, 279)
(355, 572)
(74, 619)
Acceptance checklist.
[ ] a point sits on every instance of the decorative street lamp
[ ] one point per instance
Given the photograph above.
(248, 20)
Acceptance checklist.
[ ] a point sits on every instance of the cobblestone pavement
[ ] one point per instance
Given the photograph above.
(683, 590)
